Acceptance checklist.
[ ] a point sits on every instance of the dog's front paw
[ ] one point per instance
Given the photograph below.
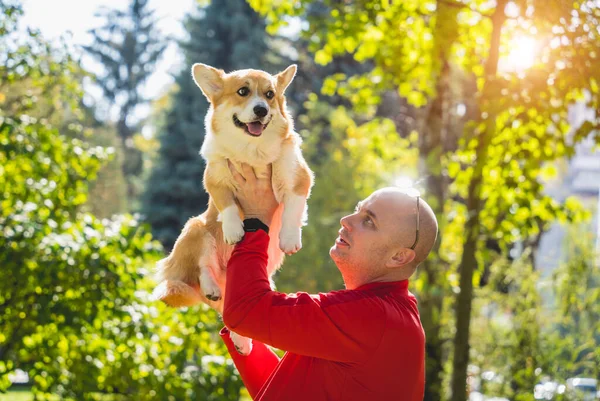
(290, 240)
(233, 226)
(243, 345)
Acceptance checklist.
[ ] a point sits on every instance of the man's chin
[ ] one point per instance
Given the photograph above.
(335, 252)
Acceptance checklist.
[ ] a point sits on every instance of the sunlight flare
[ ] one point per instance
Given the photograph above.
(521, 54)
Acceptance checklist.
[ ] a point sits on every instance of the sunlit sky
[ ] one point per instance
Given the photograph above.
(75, 17)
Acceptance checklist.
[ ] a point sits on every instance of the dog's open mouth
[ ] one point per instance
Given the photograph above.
(254, 128)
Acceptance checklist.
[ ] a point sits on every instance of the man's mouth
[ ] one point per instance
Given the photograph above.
(254, 128)
(340, 241)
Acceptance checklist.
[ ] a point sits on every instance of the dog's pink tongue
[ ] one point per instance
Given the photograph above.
(255, 128)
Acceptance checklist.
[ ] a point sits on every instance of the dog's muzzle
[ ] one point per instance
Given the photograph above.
(254, 128)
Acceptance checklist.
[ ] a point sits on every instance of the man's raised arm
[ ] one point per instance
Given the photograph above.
(304, 324)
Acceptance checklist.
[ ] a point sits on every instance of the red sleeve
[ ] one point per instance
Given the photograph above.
(254, 368)
(341, 328)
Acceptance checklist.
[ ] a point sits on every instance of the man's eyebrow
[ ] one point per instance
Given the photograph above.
(367, 211)
(371, 213)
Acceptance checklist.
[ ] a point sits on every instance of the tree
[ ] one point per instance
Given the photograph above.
(69, 309)
(227, 35)
(73, 309)
(50, 90)
(128, 45)
(516, 121)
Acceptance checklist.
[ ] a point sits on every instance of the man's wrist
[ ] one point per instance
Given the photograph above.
(262, 217)
(252, 224)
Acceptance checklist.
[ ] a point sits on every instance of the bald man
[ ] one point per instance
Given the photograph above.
(365, 343)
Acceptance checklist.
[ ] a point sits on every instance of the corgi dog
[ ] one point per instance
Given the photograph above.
(247, 122)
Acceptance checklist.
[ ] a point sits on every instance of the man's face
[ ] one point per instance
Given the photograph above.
(373, 233)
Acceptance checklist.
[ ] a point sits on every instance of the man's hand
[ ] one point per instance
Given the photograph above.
(255, 195)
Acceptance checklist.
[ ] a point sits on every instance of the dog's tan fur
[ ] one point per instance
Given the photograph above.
(202, 250)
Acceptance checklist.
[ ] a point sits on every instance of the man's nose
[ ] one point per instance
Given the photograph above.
(345, 222)
(260, 111)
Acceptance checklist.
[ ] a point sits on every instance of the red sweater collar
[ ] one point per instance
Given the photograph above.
(387, 286)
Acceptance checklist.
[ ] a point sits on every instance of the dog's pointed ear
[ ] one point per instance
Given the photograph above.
(208, 79)
(284, 78)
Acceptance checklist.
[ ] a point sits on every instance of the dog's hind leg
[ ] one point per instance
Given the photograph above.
(178, 274)
(208, 262)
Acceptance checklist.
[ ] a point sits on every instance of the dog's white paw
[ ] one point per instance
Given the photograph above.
(243, 345)
(210, 289)
(233, 227)
(290, 240)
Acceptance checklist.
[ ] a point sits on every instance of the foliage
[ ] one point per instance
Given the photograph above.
(45, 82)
(74, 309)
(73, 306)
(69, 308)
(507, 329)
(517, 121)
(573, 343)
(524, 341)
(47, 85)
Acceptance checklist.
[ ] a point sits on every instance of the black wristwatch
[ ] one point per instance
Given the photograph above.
(254, 224)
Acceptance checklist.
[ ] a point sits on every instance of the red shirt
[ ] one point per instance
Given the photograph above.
(365, 344)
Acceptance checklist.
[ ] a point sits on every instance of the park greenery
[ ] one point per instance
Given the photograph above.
(428, 91)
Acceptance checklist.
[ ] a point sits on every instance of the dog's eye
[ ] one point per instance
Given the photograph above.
(270, 94)
(243, 91)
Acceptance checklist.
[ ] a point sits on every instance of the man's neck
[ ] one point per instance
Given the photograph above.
(353, 283)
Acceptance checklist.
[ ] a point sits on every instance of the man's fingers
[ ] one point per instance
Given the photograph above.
(248, 172)
(236, 176)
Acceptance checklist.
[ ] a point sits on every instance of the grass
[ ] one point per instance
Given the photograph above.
(24, 394)
(19, 394)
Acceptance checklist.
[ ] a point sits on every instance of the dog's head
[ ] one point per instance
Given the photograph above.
(250, 102)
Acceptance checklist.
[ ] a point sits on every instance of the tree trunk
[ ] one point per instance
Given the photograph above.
(472, 227)
(432, 146)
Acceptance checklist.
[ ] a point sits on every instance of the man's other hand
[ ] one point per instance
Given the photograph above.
(255, 194)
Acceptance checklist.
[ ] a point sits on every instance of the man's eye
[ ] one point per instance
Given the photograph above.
(368, 220)
(243, 91)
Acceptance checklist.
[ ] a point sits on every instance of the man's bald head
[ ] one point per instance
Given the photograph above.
(412, 213)
(375, 241)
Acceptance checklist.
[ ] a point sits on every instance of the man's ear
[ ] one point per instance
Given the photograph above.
(402, 257)
(285, 77)
(208, 79)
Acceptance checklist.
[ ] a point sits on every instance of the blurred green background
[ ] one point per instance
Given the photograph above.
(491, 109)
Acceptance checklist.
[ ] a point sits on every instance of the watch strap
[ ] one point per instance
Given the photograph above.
(254, 224)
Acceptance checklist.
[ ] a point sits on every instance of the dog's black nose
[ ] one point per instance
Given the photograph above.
(260, 111)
